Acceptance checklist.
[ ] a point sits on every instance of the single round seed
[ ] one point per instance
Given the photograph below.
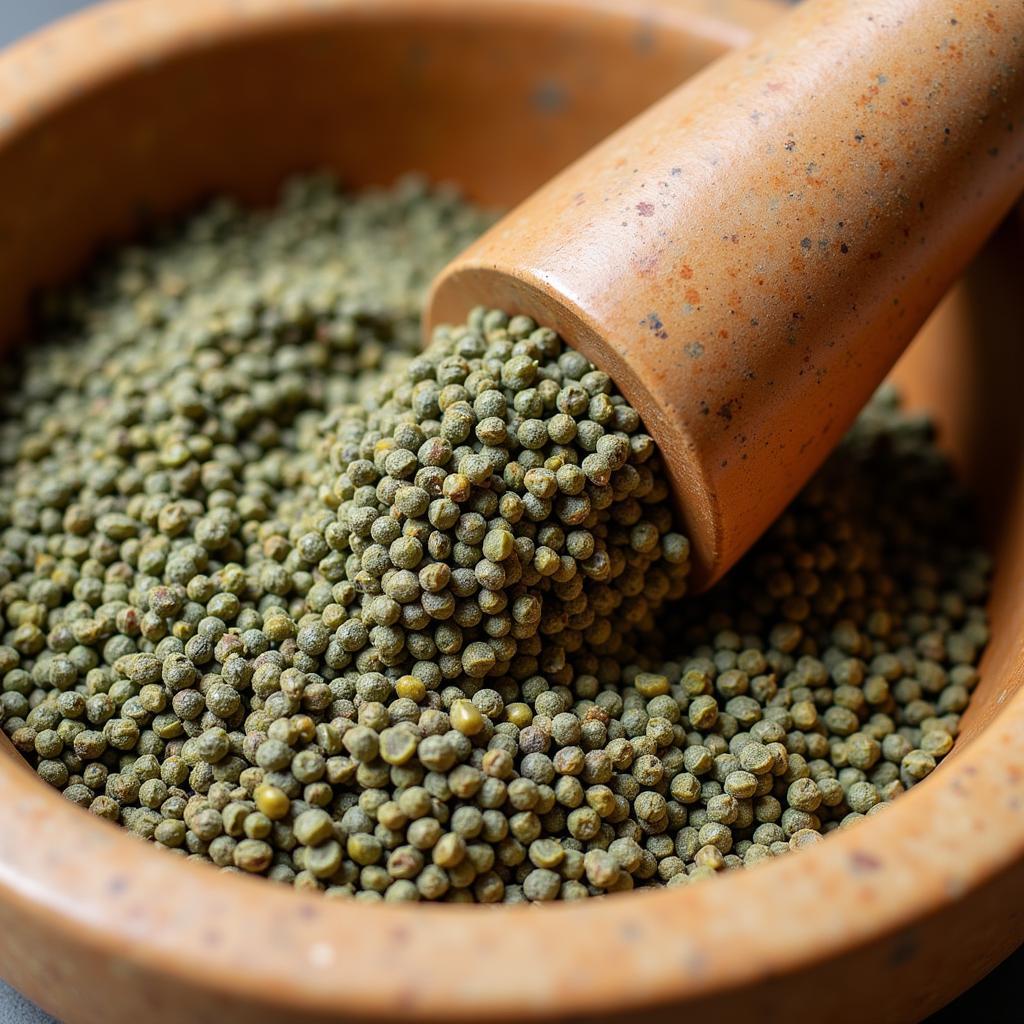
(466, 717)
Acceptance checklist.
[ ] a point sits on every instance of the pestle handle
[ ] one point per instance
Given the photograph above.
(749, 256)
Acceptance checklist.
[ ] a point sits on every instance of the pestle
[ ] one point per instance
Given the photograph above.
(749, 257)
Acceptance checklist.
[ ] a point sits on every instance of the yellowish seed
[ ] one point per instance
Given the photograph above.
(457, 486)
(803, 838)
(272, 801)
(498, 545)
(651, 685)
(397, 745)
(702, 872)
(304, 727)
(710, 857)
(466, 717)
(449, 850)
(547, 853)
(520, 715)
(334, 615)
(411, 687)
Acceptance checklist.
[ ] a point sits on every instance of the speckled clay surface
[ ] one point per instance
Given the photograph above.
(148, 105)
(749, 257)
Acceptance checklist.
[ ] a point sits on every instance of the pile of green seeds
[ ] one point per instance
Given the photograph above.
(281, 594)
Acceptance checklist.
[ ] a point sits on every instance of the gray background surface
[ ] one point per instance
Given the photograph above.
(992, 1000)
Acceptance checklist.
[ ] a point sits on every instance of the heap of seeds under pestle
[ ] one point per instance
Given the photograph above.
(280, 595)
(824, 676)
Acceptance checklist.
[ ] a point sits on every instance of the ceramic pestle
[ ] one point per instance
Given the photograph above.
(749, 256)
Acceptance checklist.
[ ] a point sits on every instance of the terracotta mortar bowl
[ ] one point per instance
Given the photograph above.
(136, 110)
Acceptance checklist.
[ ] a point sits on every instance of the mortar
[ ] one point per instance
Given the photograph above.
(134, 111)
